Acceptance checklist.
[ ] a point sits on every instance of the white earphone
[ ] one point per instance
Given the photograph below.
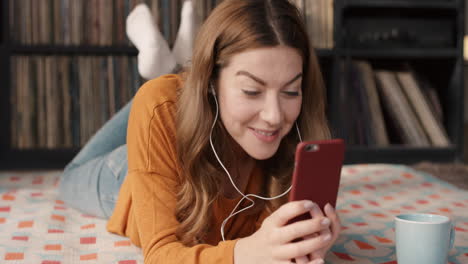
(233, 212)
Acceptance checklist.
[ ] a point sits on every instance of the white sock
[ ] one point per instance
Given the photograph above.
(154, 57)
(183, 44)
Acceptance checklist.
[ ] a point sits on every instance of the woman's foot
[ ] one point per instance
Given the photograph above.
(183, 44)
(154, 57)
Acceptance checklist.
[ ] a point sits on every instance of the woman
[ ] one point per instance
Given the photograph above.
(253, 58)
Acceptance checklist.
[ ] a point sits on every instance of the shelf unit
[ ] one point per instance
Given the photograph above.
(451, 86)
(11, 158)
(399, 54)
(434, 4)
(73, 50)
(329, 59)
(400, 154)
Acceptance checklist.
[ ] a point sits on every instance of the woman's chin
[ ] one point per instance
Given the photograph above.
(259, 154)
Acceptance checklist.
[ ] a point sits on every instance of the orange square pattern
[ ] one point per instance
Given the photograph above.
(53, 247)
(60, 218)
(89, 226)
(88, 256)
(24, 224)
(14, 256)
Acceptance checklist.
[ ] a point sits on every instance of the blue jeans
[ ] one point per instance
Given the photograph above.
(92, 180)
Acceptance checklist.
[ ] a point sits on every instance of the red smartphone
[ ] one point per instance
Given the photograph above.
(317, 172)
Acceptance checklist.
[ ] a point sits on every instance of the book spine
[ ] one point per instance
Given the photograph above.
(398, 105)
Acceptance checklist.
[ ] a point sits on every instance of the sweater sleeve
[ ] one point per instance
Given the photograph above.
(145, 210)
(154, 206)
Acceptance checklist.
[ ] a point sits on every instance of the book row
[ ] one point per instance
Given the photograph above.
(64, 100)
(84, 22)
(102, 22)
(394, 105)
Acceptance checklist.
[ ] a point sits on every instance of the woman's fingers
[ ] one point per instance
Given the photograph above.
(319, 254)
(335, 228)
(302, 260)
(307, 260)
(303, 248)
(288, 211)
(303, 229)
(335, 221)
(317, 261)
(317, 233)
(317, 212)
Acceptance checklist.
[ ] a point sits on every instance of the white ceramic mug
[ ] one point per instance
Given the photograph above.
(423, 238)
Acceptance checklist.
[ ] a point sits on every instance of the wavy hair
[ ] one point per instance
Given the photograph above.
(236, 26)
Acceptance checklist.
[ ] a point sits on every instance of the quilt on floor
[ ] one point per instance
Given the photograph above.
(36, 227)
(371, 195)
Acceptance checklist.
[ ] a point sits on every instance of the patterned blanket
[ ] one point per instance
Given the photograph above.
(36, 227)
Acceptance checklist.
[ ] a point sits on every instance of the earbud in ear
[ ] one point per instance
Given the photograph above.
(212, 90)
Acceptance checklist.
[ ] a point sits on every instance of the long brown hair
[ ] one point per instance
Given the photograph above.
(235, 26)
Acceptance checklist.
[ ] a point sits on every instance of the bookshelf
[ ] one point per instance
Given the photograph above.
(443, 65)
(399, 54)
(434, 4)
(12, 46)
(73, 50)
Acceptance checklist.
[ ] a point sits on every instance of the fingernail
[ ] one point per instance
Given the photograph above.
(329, 208)
(316, 209)
(325, 221)
(308, 205)
(319, 261)
(326, 237)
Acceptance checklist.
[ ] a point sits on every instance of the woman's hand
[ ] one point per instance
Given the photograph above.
(334, 230)
(272, 243)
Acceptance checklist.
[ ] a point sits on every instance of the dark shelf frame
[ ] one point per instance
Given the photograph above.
(325, 53)
(400, 53)
(399, 154)
(73, 50)
(5, 88)
(58, 158)
(434, 4)
(322, 53)
(36, 159)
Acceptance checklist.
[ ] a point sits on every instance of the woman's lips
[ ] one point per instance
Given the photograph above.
(267, 136)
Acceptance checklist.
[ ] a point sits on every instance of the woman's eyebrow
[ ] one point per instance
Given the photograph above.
(251, 76)
(262, 82)
(298, 76)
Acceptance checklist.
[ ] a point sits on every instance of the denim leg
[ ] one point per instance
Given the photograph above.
(116, 164)
(112, 135)
(91, 181)
(93, 187)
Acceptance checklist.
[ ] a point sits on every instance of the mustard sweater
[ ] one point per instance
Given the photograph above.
(145, 209)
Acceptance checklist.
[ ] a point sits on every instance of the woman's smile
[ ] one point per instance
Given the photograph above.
(266, 135)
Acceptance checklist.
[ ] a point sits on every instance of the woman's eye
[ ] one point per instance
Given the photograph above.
(292, 93)
(251, 93)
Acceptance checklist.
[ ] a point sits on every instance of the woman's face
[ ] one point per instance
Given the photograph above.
(260, 98)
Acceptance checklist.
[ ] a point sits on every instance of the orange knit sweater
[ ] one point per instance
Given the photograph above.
(145, 210)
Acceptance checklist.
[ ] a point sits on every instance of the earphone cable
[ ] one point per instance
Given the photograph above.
(233, 212)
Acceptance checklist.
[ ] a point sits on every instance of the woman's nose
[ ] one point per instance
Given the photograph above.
(271, 111)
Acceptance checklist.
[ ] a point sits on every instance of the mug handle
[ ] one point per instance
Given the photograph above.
(452, 236)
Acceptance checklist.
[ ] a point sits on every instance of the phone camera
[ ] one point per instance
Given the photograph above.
(312, 148)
